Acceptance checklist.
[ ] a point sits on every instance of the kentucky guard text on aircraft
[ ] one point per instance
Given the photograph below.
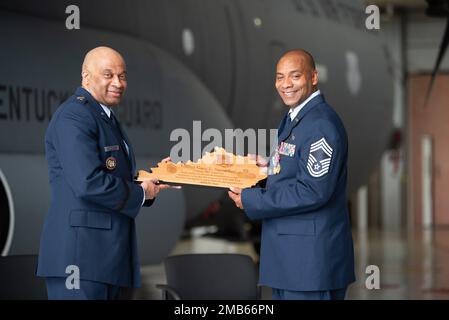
(28, 104)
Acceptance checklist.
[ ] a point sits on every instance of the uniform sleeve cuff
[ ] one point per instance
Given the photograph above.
(249, 198)
(143, 200)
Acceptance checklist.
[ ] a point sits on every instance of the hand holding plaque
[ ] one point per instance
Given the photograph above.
(215, 169)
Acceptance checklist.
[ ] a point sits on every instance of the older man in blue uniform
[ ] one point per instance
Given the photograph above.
(306, 249)
(89, 231)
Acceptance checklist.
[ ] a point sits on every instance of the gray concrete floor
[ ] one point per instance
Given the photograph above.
(411, 266)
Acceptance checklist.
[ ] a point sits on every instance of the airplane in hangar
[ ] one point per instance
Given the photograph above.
(212, 61)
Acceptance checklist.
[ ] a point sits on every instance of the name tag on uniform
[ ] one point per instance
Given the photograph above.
(112, 148)
(287, 149)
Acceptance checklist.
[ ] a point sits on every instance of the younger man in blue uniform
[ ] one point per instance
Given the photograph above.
(306, 249)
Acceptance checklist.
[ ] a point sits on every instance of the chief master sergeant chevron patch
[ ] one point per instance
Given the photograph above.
(320, 156)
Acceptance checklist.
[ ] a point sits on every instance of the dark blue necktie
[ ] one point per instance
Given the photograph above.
(287, 123)
(289, 120)
(115, 124)
(114, 121)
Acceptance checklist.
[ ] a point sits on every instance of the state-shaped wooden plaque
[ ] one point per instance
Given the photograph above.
(215, 169)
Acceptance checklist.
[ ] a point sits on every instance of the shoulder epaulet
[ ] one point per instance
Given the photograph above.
(81, 99)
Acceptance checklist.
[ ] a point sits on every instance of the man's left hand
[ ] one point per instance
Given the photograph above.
(236, 195)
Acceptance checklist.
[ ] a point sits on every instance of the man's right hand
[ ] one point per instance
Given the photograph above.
(260, 161)
(151, 188)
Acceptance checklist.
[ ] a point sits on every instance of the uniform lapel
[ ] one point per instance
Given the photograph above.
(285, 133)
(121, 136)
(131, 157)
(281, 127)
(98, 110)
(119, 133)
(95, 105)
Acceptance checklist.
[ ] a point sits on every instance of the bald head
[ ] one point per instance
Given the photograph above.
(296, 77)
(100, 53)
(300, 54)
(104, 75)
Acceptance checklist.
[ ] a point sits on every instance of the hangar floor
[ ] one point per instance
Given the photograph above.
(411, 266)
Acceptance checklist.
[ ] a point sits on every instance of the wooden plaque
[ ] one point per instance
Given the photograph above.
(215, 169)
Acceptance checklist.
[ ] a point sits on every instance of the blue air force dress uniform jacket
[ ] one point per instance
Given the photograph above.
(306, 235)
(90, 223)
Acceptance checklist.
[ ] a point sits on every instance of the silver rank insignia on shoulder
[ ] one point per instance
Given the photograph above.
(320, 156)
(111, 163)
